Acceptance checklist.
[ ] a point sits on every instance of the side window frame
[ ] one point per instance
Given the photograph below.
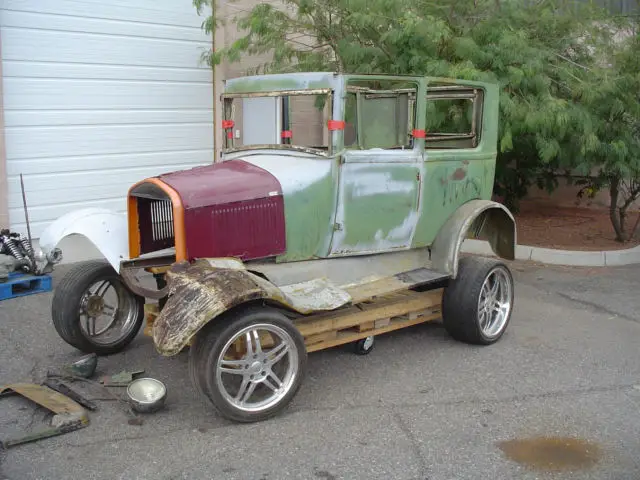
(412, 114)
(457, 92)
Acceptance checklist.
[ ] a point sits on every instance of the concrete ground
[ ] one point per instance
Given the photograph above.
(420, 406)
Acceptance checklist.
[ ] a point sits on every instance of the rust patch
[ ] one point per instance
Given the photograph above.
(459, 174)
(552, 453)
(199, 293)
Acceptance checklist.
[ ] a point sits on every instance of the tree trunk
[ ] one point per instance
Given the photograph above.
(614, 194)
(635, 229)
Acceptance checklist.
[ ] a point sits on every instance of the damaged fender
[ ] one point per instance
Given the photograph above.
(106, 229)
(201, 291)
(478, 219)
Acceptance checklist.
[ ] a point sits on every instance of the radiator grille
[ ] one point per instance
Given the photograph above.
(156, 224)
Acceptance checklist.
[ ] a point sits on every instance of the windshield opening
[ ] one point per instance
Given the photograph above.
(294, 120)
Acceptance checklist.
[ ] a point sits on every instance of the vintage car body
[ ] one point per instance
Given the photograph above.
(292, 205)
(297, 225)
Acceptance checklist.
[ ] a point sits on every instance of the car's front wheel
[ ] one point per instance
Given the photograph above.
(94, 311)
(249, 364)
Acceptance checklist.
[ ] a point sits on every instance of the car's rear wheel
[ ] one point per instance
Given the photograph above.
(477, 305)
(94, 311)
(249, 364)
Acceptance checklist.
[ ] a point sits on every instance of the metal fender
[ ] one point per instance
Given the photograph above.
(106, 229)
(202, 291)
(478, 219)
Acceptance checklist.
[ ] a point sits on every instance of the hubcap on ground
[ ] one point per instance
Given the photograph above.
(257, 367)
(494, 303)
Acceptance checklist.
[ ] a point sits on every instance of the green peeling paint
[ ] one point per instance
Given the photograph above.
(378, 200)
(309, 220)
(449, 183)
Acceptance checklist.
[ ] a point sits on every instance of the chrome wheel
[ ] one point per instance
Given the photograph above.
(494, 302)
(477, 305)
(257, 367)
(108, 312)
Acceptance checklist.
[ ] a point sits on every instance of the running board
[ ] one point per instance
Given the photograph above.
(422, 278)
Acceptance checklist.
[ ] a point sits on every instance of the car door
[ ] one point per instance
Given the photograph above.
(379, 187)
(378, 202)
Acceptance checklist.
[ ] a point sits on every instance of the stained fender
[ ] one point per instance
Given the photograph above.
(205, 289)
(478, 219)
(106, 229)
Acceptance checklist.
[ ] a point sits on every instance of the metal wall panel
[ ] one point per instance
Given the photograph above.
(99, 94)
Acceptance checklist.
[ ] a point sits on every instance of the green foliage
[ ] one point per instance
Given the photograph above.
(569, 93)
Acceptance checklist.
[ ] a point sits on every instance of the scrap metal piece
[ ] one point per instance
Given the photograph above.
(83, 367)
(69, 416)
(121, 379)
(41, 434)
(64, 389)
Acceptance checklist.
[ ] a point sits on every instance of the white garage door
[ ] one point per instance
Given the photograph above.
(99, 94)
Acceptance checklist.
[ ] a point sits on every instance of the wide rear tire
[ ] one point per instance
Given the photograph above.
(477, 305)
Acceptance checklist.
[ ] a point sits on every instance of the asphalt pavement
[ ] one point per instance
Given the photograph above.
(420, 406)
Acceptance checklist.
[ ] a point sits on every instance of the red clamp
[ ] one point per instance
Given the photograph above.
(419, 133)
(286, 134)
(226, 124)
(335, 125)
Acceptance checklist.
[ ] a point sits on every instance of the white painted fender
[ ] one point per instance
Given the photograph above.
(106, 229)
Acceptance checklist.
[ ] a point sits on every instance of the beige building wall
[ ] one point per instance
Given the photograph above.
(4, 195)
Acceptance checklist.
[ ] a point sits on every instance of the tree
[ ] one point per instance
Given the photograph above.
(542, 53)
(614, 153)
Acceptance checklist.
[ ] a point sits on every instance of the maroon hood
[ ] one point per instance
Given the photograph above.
(222, 183)
(231, 209)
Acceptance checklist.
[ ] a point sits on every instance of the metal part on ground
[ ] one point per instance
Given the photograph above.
(69, 415)
(83, 367)
(19, 247)
(121, 379)
(64, 389)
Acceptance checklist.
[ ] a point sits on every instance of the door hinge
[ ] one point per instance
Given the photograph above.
(337, 226)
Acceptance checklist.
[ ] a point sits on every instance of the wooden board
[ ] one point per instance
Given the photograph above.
(386, 307)
(392, 312)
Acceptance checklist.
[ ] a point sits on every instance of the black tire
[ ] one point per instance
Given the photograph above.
(461, 299)
(364, 346)
(209, 343)
(66, 304)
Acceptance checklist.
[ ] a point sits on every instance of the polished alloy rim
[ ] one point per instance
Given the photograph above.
(107, 312)
(257, 367)
(494, 303)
